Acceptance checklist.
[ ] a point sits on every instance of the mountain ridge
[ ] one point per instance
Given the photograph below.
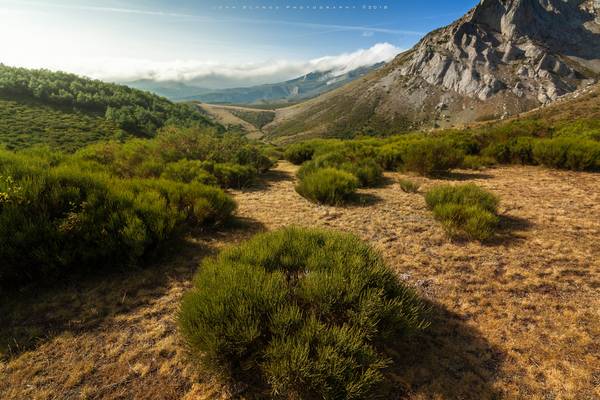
(293, 90)
(502, 58)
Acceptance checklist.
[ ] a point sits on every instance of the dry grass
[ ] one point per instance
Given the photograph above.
(517, 318)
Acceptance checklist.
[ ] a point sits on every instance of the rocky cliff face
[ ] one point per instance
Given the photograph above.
(503, 57)
(538, 48)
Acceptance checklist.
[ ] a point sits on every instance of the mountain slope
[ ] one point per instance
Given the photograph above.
(304, 87)
(502, 58)
(67, 111)
(307, 86)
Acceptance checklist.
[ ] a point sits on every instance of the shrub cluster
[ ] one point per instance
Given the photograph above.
(328, 186)
(359, 162)
(57, 218)
(465, 211)
(568, 153)
(185, 155)
(304, 311)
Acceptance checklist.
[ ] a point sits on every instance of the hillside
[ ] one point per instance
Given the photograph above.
(67, 111)
(293, 90)
(501, 59)
(248, 120)
(304, 87)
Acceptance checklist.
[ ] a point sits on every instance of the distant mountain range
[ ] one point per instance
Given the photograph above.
(502, 58)
(301, 88)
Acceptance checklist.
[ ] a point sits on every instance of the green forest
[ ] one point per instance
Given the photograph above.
(67, 111)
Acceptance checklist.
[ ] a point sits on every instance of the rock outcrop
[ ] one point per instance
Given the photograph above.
(503, 57)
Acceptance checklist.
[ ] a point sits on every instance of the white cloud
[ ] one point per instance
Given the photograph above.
(213, 74)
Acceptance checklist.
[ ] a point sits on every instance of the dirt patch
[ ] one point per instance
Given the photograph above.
(516, 318)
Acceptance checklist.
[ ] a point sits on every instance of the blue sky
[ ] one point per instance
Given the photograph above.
(187, 39)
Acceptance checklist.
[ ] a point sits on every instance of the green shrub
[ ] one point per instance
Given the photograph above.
(517, 151)
(232, 157)
(328, 186)
(409, 186)
(359, 163)
(188, 171)
(76, 221)
(470, 222)
(299, 153)
(231, 175)
(390, 157)
(431, 156)
(568, 153)
(464, 210)
(304, 311)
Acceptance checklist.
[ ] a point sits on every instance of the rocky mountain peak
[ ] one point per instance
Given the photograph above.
(502, 58)
(543, 48)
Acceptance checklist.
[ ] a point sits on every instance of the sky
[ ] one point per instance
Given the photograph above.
(232, 42)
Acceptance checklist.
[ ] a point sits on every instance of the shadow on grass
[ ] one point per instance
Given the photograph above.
(450, 360)
(32, 315)
(266, 180)
(509, 230)
(463, 176)
(363, 200)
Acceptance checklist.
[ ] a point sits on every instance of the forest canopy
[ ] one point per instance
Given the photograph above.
(132, 110)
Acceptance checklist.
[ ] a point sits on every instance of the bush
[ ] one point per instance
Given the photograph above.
(431, 156)
(517, 151)
(74, 221)
(231, 175)
(359, 163)
(188, 171)
(568, 153)
(328, 186)
(409, 186)
(299, 153)
(464, 210)
(470, 222)
(233, 158)
(304, 311)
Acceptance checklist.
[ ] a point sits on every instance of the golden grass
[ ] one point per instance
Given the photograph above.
(517, 318)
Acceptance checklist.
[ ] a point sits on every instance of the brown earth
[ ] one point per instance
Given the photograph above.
(516, 318)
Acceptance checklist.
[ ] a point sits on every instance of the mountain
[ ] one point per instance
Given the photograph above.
(502, 58)
(304, 87)
(172, 90)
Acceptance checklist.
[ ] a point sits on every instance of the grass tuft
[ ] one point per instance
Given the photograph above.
(465, 211)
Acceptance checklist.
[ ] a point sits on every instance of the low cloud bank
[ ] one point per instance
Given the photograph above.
(217, 75)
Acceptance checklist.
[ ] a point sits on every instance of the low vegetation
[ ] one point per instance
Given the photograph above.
(465, 211)
(113, 204)
(564, 145)
(409, 186)
(75, 221)
(185, 155)
(305, 312)
(328, 186)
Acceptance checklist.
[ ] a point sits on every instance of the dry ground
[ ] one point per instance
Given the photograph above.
(516, 318)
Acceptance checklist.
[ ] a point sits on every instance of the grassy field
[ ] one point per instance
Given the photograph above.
(512, 318)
